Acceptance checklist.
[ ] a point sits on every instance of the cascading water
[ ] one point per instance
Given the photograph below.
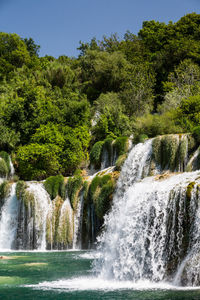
(42, 201)
(153, 225)
(8, 220)
(78, 224)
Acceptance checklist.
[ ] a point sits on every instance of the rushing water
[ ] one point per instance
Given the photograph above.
(8, 221)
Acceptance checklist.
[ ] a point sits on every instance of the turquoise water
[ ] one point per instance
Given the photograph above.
(67, 275)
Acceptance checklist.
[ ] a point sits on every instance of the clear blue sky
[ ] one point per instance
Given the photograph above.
(58, 25)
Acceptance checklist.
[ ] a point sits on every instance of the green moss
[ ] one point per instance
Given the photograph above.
(93, 186)
(95, 154)
(54, 185)
(6, 158)
(189, 190)
(165, 151)
(100, 193)
(3, 168)
(142, 138)
(108, 145)
(121, 145)
(170, 144)
(182, 151)
(156, 150)
(192, 145)
(196, 134)
(120, 161)
(25, 196)
(74, 185)
(20, 189)
(4, 191)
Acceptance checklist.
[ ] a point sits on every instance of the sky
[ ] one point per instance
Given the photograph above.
(58, 25)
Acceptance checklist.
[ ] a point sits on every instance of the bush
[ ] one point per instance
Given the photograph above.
(153, 125)
(54, 185)
(38, 161)
(3, 168)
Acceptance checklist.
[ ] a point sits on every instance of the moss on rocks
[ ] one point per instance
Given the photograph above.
(74, 185)
(100, 193)
(3, 168)
(121, 145)
(120, 161)
(6, 158)
(189, 190)
(54, 185)
(4, 191)
(24, 195)
(95, 154)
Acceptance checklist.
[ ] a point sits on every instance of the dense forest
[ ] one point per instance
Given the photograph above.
(56, 113)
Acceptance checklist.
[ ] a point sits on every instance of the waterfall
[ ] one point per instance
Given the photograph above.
(78, 224)
(41, 204)
(8, 220)
(152, 231)
(65, 227)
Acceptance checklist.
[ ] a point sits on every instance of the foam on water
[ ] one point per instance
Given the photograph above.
(99, 284)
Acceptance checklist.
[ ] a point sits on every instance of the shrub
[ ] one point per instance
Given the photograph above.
(54, 185)
(38, 161)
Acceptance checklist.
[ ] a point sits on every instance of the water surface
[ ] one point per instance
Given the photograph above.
(68, 275)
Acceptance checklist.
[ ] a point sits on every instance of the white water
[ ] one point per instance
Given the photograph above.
(65, 227)
(78, 224)
(8, 220)
(145, 228)
(42, 205)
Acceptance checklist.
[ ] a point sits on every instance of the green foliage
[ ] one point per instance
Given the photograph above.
(74, 185)
(25, 196)
(20, 189)
(153, 125)
(169, 151)
(38, 161)
(6, 158)
(4, 190)
(196, 134)
(95, 154)
(54, 185)
(121, 145)
(145, 84)
(120, 161)
(3, 168)
(189, 112)
(100, 193)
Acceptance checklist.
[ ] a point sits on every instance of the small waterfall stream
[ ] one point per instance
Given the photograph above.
(78, 224)
(8, 221)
